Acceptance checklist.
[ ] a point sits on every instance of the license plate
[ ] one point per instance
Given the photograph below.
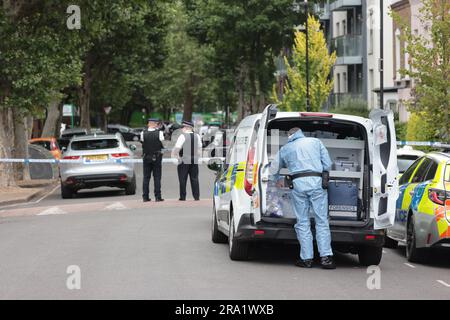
(98, 157)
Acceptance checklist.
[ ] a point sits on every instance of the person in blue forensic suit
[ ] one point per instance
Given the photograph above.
(306, 159)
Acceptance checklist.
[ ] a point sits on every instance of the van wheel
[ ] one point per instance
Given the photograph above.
(238, 250)
(130, 189)
(66, 192)
(216, 235)
(370, 256)
(390, 243)
(413, 254)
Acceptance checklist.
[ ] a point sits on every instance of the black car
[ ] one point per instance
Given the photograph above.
(128, 133)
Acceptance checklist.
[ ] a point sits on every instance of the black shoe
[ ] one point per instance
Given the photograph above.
(146, 200)
(308, 263)
(327, 262)
(181, 199)
(159, 199)
(197, 199)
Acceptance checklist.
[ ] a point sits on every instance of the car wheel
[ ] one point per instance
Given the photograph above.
(413, 254)
(370, 256)
(390, 243)
(238, 250)
(216, 235)
(66, 192)
(130, 189)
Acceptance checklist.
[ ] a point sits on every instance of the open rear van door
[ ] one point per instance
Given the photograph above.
(262, 163)
(385, 170)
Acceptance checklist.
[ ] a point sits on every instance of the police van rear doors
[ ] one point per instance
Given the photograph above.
(385, 170)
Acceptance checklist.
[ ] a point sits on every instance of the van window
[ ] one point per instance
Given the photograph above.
(240, 143)
(419, 176)
(431, 171)
(407, 175)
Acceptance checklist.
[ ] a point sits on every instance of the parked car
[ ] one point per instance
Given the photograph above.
(422, 218)
(248, 207)
(128, 133)
(208, 134)
(68, 134)
(95, 168)
(51, 144)
(406, 157)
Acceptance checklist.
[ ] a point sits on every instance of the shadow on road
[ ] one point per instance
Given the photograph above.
(83, 194)
(287, 254)
(435, 257)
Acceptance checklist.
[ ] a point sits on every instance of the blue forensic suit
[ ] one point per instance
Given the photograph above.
(304, 154)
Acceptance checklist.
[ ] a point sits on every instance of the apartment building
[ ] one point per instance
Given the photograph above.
(409, 11)
(353, 30)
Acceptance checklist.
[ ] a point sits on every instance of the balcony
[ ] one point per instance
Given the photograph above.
(346, 99)
(340, 5)
(349, 49)
(322, 9)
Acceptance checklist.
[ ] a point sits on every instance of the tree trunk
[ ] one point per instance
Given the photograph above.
(20, 151)
(84, 94)
(51, 122)
(188, 99)
(241, 91)
(6, 147)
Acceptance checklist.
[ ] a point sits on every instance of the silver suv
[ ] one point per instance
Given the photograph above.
(96, 161)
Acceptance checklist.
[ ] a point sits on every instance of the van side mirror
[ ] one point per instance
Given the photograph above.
(215, 164)
(64, 149)
(133, 147)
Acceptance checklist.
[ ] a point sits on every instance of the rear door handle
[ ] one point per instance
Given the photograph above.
(265, 180)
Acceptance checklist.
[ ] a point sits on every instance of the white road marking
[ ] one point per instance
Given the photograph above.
(410, 265)
(444, 283)
(116, 206)
(51, 211)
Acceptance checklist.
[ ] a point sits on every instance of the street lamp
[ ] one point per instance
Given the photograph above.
(308, 106)
(296, 9)
(381, 63)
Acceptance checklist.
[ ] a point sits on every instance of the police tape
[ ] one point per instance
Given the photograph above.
(423, 144)
(87, 161)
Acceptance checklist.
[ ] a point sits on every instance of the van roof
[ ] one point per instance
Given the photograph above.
(338, 116)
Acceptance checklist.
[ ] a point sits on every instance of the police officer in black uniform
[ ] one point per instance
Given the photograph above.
(152, 146)
(187, 150)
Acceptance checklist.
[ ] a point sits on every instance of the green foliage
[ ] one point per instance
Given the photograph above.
(245, 35)
(430, 63)
(355, 107)
(39, 57)
(400, 130)
(421, 128)
(320, 64)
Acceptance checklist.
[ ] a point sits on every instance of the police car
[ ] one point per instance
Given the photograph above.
(248, 207)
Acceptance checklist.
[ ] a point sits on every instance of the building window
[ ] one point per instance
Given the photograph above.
(344, 80)
(338, 26)
(344, 27)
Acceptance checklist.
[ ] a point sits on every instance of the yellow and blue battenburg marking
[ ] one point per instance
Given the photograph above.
(232, 177)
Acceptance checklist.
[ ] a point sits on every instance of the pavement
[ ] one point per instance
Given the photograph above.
(126, 249)
(25, 191)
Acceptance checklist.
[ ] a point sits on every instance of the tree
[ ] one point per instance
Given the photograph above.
(320, 64)
(186, 79)
(38, 57)
(122, 40)
(245, 36)
(429, 60)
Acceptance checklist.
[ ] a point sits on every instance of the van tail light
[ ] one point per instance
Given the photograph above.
(120, 155)
(437, 196)
(316, 114)
(248, 181)
(71, 158)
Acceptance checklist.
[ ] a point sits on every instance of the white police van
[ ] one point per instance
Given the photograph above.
(248, 207)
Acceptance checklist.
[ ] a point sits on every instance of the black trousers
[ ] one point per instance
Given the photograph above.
(149, 168)
(191, 170)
